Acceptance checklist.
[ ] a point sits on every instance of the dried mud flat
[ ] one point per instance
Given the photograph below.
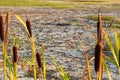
(64, 33)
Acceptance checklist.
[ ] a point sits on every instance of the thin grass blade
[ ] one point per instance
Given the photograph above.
(107, 70)
(44, 64)
(110, 59)
(60, 69)
(24, 24)
(117, 44)
(112, 50)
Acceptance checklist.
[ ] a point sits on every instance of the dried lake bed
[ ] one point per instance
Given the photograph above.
(64, 33)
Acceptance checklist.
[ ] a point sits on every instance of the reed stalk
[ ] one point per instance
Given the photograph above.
(4, 60)
(15, 71)
(87, 65)
(33, 56)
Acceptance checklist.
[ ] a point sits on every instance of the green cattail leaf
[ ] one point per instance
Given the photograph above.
(106, 68)
(112, 49)
(24, 24)
(9, 64)
(111, 60)
(60, 69)
(117, 44)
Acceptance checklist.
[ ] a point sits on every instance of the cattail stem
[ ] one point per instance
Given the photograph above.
(11, 76)
(97, 76)
(101, 72)
(15, 71)
(33, 55)
(41, 73)
(4, 60)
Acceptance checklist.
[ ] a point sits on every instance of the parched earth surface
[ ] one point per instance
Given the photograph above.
(64, 33)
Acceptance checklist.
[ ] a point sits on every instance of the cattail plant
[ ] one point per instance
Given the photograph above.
(3, 45)
(6, 44)
(15, 56)
(32, 46)
(98, 49)
(27, 26)
(39, 61)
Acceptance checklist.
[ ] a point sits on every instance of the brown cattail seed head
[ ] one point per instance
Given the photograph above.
(29, 27)
(39, 60)
(98, 47)
(97, 57)
(15, 56)
(1, 28)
